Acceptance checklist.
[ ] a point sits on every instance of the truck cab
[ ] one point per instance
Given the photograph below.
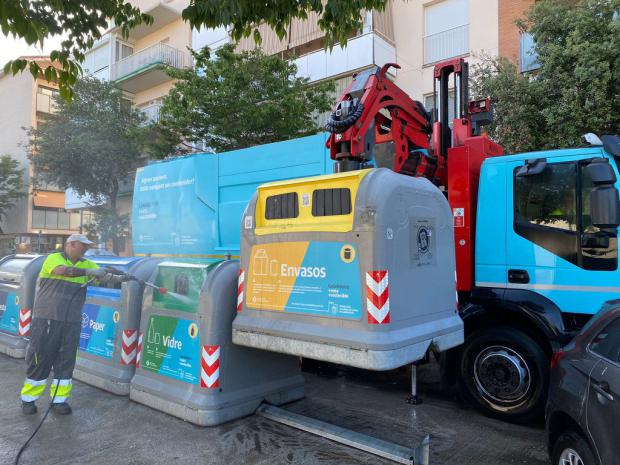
(546, 259)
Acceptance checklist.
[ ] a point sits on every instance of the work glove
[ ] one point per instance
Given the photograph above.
(98, 273)
(119, 278)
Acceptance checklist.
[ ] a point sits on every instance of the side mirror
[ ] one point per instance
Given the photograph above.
(600, 171)
(532, 167)
(594, 241)
(605, 207)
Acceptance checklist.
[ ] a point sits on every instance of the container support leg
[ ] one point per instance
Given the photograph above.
(414, 399)
(410, 456)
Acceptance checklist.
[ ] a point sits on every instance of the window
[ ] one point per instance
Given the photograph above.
(552, 209)
(123, 50)
(548, 199)
(529, 58)
(38, 218)
(282, 206)
(46, 99)
(97, 60)
(446, 30)
(330, 202)
(54, 218)
(607, 342)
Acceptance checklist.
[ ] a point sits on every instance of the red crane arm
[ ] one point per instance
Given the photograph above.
(374, 111)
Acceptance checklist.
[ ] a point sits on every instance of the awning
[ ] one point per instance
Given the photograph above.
(49, 199)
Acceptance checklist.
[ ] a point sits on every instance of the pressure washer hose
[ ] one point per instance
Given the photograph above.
(161, 290)
(36, 430)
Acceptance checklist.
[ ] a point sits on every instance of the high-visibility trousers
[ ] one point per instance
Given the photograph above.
(53, 345)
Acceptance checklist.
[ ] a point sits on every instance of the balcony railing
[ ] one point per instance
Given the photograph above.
(304, 33)
(361, 52)
(155, 54)
(446, 44)
(151, 112)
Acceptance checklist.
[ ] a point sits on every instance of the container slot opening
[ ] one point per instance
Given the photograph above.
(282, 206)
(331, 202)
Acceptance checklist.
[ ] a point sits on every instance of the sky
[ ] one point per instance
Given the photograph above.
(11, 48)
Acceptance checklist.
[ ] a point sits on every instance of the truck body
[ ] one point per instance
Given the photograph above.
(535, 233)
(192, 205)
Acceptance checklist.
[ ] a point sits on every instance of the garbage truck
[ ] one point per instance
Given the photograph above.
(535, 237)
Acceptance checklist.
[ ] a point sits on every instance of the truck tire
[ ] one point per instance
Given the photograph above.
(504, 373)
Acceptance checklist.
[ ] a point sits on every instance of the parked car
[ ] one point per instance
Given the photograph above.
(99, 253)
(583, 410)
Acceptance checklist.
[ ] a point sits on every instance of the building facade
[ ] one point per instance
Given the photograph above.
(39, 221)
(416, 34)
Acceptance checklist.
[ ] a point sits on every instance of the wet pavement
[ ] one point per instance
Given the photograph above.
(109, 430)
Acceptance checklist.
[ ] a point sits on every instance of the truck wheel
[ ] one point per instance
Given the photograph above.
(505, 373)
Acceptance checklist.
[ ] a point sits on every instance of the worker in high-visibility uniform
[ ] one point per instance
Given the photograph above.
(56, 323)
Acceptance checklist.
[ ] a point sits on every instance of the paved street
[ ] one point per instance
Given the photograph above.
(110, 430)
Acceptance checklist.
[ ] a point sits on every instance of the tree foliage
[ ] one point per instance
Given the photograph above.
(11, 184)
(90, 144)
(577, 87)
(338, 19)
(240, 100)
(83, 22)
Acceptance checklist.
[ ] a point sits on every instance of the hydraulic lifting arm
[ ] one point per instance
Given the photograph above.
(376, 123)
(374, 120)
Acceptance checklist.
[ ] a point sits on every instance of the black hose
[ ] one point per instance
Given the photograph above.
(337, 126)
(36, 430)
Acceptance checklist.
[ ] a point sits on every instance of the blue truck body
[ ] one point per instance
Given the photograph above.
(192, 206)
(570, 287)
(542, 268)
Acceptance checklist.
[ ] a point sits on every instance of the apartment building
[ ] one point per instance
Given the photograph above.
(416, 34)
(39, 221)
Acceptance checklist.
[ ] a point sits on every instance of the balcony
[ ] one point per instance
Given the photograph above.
(361, 52)
(446, 44)
(304, 35)
(143, 69)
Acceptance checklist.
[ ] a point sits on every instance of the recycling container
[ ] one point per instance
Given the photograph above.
(18, 281)
(187, 364)
(355, 268)
(110, 321)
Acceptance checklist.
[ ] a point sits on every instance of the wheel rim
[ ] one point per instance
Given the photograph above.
(502, 375)
(570, 457)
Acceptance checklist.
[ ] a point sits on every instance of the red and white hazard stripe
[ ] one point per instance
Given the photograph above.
(210, 367)
(139, 351)
(25, 318)
(129, 347)
(377, 297)
(240, 286)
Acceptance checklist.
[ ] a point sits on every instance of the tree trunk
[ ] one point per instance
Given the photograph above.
(116, 246)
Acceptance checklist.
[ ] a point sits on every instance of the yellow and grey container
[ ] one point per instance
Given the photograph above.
(356, 268)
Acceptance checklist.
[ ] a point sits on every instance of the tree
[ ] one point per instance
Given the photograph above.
(90, 145)
(11, 184)
(240, 100)
(83, 21)
(577, 87)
